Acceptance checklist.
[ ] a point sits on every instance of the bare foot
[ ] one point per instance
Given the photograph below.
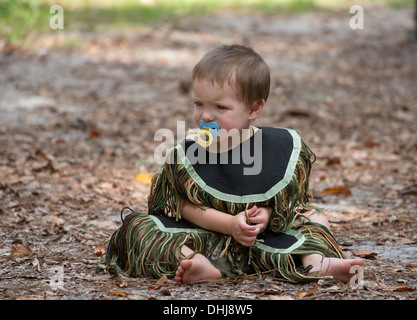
(195, 269)
(337, 268)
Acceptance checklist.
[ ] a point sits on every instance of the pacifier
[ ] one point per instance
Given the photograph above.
(207, 133)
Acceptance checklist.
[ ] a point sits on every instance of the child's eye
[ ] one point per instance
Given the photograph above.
(221, 107)
(198, 104)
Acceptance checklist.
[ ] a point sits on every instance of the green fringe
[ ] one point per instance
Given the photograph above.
(139, 248)
(318, 240)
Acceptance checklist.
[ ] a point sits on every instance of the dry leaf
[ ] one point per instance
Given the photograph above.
(411, 190)
(359, 154)
(119, 293)
(94, 133)
(366, 254)
(405, 241)
(166, 292)
(36, 263)
(13, 204)
(333, 161)
(162, 280)
(29, 298)
(273, 290)
(302, 293)
(54, 220)
(336, 191)
(153, 288)
(143, 178)
(411, 267)
(401, 287)
(122, 284)
(99, 250)
(18, 249)
(274, 297)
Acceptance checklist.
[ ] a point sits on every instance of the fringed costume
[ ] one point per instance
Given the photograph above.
(270, 169)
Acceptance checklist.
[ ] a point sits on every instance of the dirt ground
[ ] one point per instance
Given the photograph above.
(78, 114)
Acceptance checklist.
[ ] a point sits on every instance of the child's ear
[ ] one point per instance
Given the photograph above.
(256, 109)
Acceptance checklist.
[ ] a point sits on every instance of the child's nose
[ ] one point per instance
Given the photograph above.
(207, 116)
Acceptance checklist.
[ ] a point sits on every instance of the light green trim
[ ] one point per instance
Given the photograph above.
(292, 163)
(298, 235)
(176, 230)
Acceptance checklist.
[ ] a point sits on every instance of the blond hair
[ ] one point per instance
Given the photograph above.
(241, 67)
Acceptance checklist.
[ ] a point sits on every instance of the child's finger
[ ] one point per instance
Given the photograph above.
(257, 220)
(247, 228)
(252, 211)
(247, 241)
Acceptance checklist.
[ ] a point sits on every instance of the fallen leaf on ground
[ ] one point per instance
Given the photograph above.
(275, 297)
(367, 254)
(36, 264)
(159, 283)
(272, 290)
(13, 204)
(119, 293)
(99, 250)
(336, 191)
(122, 284)
(162, 280)
(405, 241)
(302, 293)
(263, 292)
(166, 292)
(54, 220)
(94, 133)
(29, 298)
(18, 249)
(411, 190)
(143, 178)
(411, 267)
(401, 287)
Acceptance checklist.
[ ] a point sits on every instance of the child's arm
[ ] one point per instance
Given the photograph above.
(214, 220)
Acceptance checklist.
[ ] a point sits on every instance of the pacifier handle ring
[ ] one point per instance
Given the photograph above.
(206, 132)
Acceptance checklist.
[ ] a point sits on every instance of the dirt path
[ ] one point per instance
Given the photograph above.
(77, 125)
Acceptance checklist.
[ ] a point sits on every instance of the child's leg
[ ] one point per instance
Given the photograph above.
(195, 269)
(337, 268)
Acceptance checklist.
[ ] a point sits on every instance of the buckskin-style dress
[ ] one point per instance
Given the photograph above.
(270, 169)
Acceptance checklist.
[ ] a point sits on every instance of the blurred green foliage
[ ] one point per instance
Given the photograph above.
(19, 18)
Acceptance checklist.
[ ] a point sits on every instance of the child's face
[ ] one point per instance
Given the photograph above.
(214, 103)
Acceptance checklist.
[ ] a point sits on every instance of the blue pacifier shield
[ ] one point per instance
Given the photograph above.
(212, 126)
(207, 133)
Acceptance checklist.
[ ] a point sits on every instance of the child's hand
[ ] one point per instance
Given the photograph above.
(245, 233)
(260, 217)
(241, 231)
